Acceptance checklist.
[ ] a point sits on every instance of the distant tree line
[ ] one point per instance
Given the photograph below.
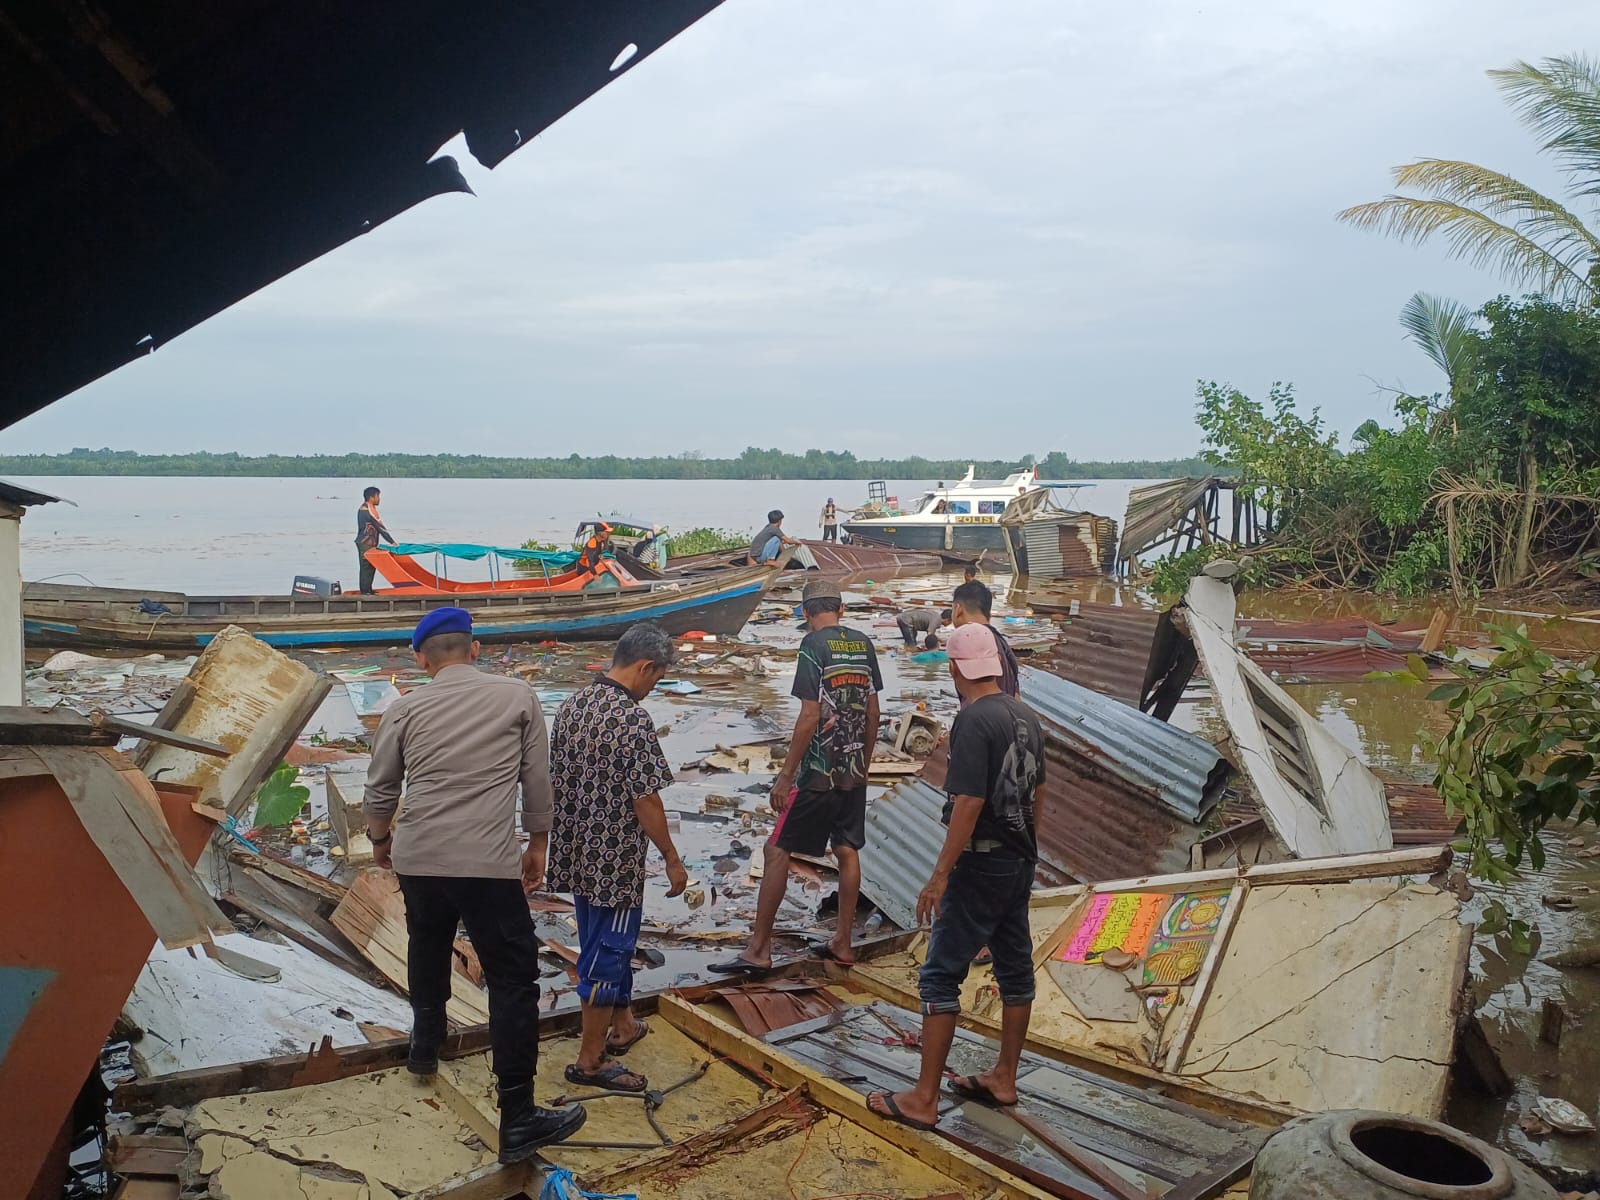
(752, 464)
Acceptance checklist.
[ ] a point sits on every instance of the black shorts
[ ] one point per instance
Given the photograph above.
(813, 819)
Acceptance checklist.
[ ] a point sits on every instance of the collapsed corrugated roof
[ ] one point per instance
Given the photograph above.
(1152, 511)
(1124, 794)
(163, 160)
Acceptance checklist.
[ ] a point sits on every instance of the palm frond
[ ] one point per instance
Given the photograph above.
(1445, 329)
(1560, 100)
(1488, 219)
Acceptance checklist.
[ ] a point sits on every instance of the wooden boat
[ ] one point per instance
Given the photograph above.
(404, 574)
(124, 619)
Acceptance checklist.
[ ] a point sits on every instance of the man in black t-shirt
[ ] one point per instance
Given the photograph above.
(820, 795)
(978, 894)
(973, 603)
(369, 528)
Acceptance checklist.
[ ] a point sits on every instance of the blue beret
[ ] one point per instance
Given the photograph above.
(441, 620)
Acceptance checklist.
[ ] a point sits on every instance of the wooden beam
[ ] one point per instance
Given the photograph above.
(769, 1064)
(492, 1182)
(1196, 999)
(1379, 864)
(1077, 1157)
(151, 733)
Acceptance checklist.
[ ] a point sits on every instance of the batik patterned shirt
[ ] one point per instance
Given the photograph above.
(604, 755)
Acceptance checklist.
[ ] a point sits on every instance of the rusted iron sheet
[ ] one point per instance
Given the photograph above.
(1160, 1145)
(832, 558)
(764, 1007)
(1153, 511)
(1066, 545)
(1348, 631)
(1106, 648)
(1417, 814)
(1334, 662)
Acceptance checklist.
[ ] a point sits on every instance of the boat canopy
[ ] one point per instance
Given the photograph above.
(466, 550)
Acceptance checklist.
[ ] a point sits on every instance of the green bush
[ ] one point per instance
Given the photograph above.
(707, 541)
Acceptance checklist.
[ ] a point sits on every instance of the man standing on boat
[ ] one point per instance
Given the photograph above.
(820, 796)
(607, 770)
(767, 545)
(829, 520)
(978, 893)
(369, 528)
(461, 749)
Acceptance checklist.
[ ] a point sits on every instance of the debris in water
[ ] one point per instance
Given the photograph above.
(1562, 1116)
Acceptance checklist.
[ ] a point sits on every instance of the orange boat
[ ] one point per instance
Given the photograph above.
(559, 572)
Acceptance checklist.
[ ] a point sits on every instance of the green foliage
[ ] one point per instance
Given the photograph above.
(1394, 469)
(546, 547)
(1420, 566)
(1534, 384)
(1524, 750)
(280, 799)
(1170, 576)
(707, 541)
(1279, 453)
(752, 464)
(1444, 329)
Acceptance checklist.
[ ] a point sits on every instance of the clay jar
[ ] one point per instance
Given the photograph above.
(1361, 1155)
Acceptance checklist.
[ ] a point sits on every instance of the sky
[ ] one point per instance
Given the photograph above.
(896, 227)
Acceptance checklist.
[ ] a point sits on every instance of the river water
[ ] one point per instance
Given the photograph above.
(255, 535)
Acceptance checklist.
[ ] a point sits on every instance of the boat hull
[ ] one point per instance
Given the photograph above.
(971, 536)
(108, 619)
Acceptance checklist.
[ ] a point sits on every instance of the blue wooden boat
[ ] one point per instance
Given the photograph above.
(129, 619)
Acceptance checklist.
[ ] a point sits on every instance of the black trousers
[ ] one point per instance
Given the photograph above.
(495, 912)
(368, 571)
(830, 533)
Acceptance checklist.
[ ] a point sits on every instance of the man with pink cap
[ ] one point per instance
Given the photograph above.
(978, 894)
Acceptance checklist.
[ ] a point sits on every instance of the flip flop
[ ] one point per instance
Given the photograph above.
(968, 1088)
(739, 966)
(618, 1049)
(893, 1113)
(824, 950)
(605, 1078)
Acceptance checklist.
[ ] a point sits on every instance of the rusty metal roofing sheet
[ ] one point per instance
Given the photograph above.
(1106, 648)
(1124, 795)
(1417, 814)
(1153, 510)
(1349, 631)
(1330, 662)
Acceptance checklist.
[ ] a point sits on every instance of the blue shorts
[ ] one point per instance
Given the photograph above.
(607, 938)
(771, 549)
(985, 904)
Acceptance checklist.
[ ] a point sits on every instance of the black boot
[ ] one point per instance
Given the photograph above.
(428, 1027)
(524, 1126)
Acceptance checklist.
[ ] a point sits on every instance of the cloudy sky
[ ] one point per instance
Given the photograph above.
(892, 226)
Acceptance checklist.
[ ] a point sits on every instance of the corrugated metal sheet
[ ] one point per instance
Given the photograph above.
(1106, 648)
(1348, 631)
(1156, 762)
(1333, 662)
(1417, 814)
(1152, 511)
(1124, 795)
(1067, 545)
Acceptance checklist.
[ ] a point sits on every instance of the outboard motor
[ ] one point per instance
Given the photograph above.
(311, 585)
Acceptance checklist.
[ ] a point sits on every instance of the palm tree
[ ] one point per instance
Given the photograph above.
(1490, 219)
(1446, 330)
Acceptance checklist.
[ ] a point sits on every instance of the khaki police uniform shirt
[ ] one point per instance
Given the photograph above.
(462, 748)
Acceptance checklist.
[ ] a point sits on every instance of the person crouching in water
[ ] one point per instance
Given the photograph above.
(916, 621)
(978, 893)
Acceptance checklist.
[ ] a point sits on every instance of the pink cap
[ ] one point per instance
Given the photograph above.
(972, 648)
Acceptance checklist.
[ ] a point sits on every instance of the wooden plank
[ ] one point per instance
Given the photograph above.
(1438, 626)
(1077, 1157)
(294, 876)
(1195, 1001)
(59, 726)
(778, 1118)
(153, 733)
(1380, 864)
(769, 1064)
(19, 762)
(96, 791)
(372, 916)
(492, 1182)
